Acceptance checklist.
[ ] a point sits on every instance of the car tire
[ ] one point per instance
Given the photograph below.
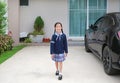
(86, 45)
(107, 62)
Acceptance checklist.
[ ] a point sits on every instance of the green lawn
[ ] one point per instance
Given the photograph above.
(6, 55)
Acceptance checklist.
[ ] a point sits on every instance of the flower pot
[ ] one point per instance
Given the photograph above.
(46, 40)
(37, 38)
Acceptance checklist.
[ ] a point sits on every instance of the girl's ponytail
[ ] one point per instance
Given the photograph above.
(62, 30)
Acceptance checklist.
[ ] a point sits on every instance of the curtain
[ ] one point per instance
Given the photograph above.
(77, 17)
(80, 10)
(97, 8)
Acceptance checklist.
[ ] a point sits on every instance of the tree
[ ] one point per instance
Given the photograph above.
(3, 21)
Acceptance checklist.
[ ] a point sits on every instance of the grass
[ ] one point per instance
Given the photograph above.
(6, 55)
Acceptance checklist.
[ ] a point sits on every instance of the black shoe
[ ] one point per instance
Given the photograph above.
(60, 77)
(57, 73)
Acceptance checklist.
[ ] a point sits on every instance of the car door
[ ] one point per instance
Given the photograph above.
(106, 24)
(90, 36)
(96, 28)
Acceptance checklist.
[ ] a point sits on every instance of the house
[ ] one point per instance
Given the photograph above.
(75, 15)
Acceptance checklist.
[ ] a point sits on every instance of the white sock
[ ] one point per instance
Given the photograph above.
(60, 73)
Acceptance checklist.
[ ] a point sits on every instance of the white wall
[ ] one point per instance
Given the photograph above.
(50, 10)
(113, 6)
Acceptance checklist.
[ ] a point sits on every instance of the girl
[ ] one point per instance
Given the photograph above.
(58, 48)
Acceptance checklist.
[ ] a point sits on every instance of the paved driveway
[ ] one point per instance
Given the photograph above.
(34, 65)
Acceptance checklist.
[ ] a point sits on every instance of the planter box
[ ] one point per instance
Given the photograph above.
(37, 38)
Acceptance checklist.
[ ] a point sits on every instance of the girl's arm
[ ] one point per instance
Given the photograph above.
(65, 45)
(52, 42)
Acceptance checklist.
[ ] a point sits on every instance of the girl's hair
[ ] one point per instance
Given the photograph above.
(60, 25)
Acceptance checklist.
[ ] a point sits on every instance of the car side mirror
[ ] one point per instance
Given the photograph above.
(93, 27)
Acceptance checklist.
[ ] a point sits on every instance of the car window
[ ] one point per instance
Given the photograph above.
(99, 22)
(107, 23)
(118, 17)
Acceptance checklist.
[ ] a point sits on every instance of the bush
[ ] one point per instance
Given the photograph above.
(3, 21)
(5, 40)
(28, 40)
(38, 24)
(38, 27)
(5, 43)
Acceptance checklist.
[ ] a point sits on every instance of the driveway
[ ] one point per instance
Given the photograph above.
(34, 65)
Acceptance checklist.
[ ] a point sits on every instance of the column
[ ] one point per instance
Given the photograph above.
(13, 19)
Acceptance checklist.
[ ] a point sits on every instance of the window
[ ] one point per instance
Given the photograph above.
(99, 22)
(24, 2)
(84, 13)
(97, 8)
(78, 17)
(107, 23)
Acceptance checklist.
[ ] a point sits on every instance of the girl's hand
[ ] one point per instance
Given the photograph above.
(65, 54)
(52, 56)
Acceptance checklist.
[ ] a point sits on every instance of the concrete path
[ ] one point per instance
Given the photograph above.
(34, 65)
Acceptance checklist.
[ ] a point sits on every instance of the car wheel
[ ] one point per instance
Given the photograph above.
(107, 62)
(86, 45)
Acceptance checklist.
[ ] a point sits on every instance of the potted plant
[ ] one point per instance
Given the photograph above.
(38, 33)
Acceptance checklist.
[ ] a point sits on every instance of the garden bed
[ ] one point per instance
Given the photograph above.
(7, 54)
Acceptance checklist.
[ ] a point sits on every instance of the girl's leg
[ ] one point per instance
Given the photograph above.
(56, 64)
(60, 74)
(57, 71)
(60, 67)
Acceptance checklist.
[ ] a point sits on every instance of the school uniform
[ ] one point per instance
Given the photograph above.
(58, 46)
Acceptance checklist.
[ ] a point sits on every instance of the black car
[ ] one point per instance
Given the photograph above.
(103, 39)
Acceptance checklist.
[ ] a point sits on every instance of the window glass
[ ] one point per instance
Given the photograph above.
(78, 17)
(24, 2)
(102, 4)
(83, 13)
(97, 9)
(93, 4)
(99, 23)
(107, 23)
(118, 17)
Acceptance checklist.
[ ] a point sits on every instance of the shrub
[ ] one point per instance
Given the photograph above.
(5, 43)
(5, 40)
(38, 27)
(28, 40)
(2, 17)
(38, 24)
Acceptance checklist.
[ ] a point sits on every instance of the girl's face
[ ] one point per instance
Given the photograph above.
(58, 28)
